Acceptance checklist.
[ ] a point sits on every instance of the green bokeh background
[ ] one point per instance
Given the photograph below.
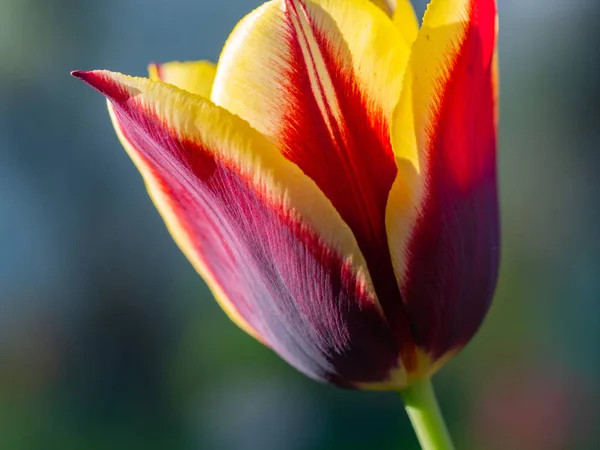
(109, 340)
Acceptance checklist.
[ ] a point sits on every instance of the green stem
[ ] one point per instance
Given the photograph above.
(425, 416)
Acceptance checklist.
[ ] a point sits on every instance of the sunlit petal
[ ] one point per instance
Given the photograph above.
(238, 210)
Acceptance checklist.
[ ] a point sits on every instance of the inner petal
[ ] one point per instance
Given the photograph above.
(289, 70)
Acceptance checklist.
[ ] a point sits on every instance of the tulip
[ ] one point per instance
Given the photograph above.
(333, 179)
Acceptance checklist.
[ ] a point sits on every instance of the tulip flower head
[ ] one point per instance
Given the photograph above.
(332, 178)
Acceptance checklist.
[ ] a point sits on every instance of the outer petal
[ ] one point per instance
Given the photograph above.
(192, 76)
(443, 227)
(237, 208)
(321, 79)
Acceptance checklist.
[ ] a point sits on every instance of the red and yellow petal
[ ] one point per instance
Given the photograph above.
(193, 76)
(321, 80)
(445, 241)
(239, 211)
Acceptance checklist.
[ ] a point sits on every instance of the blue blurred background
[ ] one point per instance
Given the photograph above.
(108, 338)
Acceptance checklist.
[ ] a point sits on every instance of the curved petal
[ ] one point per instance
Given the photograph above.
(321, 79)
(387, 6)
(193, 76)
(446, 253)
(405, 19)
(237, 208)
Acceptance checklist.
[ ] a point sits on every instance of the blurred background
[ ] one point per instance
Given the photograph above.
(108, 338)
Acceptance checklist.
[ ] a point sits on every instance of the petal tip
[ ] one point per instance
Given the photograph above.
(83, 75)
(104, 82)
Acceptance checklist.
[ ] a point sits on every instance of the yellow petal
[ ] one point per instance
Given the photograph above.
(403, 15)
(405, 19)
(192, 76)
(387, 6)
